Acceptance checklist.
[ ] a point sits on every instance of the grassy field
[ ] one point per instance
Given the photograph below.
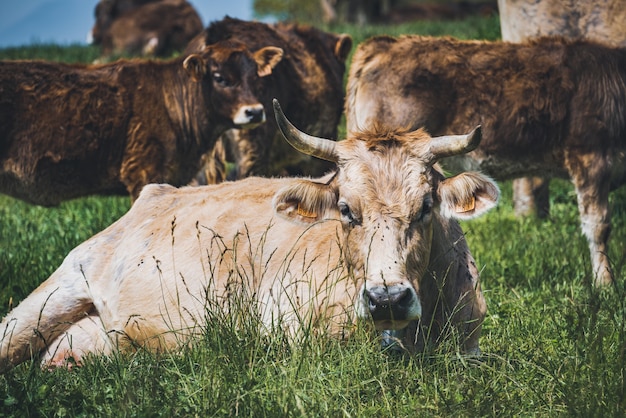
(552, 344)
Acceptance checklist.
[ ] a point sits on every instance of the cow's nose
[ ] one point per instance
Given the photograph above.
(390, 302)
(255, 115)
(249, 116)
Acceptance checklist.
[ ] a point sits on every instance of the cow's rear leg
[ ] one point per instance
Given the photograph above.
(40, 318)
(591, 177)
(87, 336)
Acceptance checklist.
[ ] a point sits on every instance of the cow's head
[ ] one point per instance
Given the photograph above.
(389, 194)
(230, 75)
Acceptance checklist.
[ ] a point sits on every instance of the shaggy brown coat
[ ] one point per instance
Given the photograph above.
(551, 107)
(106, 11)
(308, 82)
(601, 20)
(72, 130)
(153, 29)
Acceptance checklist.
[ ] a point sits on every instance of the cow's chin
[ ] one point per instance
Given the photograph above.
(387, 325)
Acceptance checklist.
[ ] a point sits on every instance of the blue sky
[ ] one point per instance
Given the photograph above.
(23, 22)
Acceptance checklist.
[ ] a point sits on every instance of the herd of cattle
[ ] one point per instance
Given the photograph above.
(362, 228)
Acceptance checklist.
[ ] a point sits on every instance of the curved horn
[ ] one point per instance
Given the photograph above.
(305, 143)
(449, 145)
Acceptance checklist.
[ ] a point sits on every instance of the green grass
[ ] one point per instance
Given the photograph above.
(553, 345)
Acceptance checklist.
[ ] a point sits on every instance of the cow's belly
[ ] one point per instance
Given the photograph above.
(502, 168)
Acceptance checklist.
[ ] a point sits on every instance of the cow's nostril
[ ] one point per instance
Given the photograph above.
(255, 115)
(405, 299)
(385, 303)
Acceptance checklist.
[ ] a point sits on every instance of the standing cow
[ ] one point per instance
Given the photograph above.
(152, 29)
(71, 130)
(308, 82)
(376, 239)
(548, 107)
(599, 20)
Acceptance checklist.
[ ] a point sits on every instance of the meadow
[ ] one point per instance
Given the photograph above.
(552, 344)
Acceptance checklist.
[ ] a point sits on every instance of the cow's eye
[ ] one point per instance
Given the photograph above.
(346, 213)
(217, 77)
(427, 208)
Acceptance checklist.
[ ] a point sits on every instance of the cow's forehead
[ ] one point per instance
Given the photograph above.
(391, 172)
(225, 51)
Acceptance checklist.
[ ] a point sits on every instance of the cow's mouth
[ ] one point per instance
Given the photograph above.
(247, 125)
(392, 339)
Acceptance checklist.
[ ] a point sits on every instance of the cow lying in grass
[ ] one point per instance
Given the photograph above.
(376, 240)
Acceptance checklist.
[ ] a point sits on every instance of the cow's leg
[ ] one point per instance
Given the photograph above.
(86, 336)
(213, 169)
(251, 155)
(590, 174)
(531, 196)
(40, 318)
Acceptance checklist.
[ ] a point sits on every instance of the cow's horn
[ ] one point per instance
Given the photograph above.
(305, 143)
(448, 145)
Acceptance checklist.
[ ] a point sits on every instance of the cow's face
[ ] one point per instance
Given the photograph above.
(230, 75)
(388, 194)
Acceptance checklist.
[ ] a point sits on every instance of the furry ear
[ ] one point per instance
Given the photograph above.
(267, 58)
(195, 67)
(467, 195)
(343, 47)
(306, 201)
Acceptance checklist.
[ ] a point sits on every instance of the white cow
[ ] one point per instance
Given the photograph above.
(376, 239)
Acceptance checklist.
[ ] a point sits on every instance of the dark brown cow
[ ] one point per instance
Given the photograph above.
(599, 20)
(107, 11)
(364, 242)
(308, 82)
(549, 106)
(71, 130)
(152, 29)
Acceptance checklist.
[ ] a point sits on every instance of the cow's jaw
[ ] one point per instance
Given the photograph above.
(249, 116)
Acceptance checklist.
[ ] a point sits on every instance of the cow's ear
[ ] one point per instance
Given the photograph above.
(343, 47)
(267, 58)
(306, 201)
(195, 67)
(467, 195)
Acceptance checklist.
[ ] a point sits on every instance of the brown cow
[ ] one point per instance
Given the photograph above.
(71, 130)
(152, 29)
(600, 20)
(376, 239)
(551, 107)
(308, 82)
(107, 11)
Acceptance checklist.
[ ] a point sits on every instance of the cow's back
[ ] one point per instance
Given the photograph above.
(228, 261)
(600, 20)
(144, 30)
